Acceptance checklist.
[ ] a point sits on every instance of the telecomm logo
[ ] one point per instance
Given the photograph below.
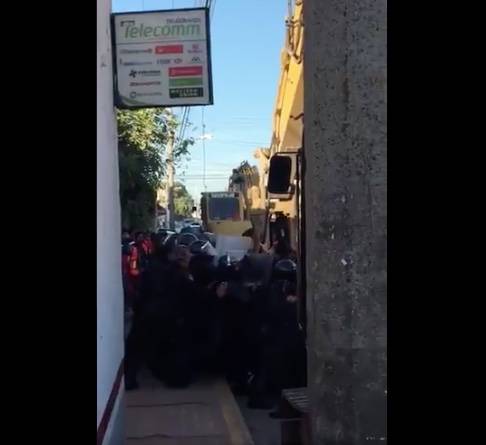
(170, 30)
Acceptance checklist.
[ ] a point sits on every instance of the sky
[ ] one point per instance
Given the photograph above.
(246, 41)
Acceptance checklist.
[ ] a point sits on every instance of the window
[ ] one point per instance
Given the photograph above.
(224, 209)
(279, 176)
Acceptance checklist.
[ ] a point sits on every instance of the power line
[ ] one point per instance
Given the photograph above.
(181, 124)
(204, 147)
(240, 141)
(184, 123)
(182, 179)
(207, 176)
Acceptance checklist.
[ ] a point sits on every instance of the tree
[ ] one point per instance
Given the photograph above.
(142, 139)
(183, 201)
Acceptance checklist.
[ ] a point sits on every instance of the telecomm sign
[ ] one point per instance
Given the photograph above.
(174, 47)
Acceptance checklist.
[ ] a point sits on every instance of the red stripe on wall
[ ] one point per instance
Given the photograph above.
(105, 419)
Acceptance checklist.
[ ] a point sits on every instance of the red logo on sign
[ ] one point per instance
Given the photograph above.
(186, 71)
(169, 49)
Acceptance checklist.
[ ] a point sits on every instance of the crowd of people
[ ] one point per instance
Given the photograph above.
(195, 313)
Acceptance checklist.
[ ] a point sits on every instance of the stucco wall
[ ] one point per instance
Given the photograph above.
(109, 282)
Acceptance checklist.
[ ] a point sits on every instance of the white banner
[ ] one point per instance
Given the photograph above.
(162, 58)
(234, 246)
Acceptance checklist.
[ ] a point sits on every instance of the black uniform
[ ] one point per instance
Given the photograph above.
(280, 362)
(192, 335)
(148, 321)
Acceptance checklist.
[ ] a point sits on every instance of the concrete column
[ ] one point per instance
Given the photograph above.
(346, 209)
(109, 296)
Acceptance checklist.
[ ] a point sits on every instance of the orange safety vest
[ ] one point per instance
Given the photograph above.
(133, 268)
(147, 247)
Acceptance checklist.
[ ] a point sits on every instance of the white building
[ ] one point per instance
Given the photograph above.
(110, 347)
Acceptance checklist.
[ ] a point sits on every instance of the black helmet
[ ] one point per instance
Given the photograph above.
(202, 236)
(227, 268)
(225, 262)
(171, 241)
(196, 230)
(257, 268)
(186, 239)
(202, 269)
(159, 240)
(285, 270)
(126, 248)
(201, 247)
(211, 237)
(161, 248)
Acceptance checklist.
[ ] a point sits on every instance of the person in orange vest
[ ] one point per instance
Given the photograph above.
(125, 264)
(147, 244)
(126, 240)
(143, 252)
(134, 255)
(134, 261)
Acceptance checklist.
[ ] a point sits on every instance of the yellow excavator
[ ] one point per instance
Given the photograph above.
(245, 180)
(273, 190)
(224, 213)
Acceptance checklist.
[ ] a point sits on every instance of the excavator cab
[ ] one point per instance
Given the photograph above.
(223, 213)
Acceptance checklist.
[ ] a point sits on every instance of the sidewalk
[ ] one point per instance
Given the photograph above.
(263, 429)
(204, 414)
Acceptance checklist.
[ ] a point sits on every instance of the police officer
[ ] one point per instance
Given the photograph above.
(287, 339)
(143, 340)
(194, 319)
(283, 354)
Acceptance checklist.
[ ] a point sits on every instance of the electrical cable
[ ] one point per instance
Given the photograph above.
(204, 147)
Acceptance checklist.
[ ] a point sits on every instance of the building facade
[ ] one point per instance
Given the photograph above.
(109, 298)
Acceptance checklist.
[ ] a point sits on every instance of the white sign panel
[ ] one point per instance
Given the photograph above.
(162, 58)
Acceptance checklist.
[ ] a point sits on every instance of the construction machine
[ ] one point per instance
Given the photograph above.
(224, 213)
(273, 190)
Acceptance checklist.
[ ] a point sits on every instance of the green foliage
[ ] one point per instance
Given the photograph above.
(183, 201)
(142, 141)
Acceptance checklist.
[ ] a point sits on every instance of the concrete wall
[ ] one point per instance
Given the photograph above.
(109, 283)
(345, 149)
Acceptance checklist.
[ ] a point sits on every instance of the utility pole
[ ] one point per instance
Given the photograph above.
(170, 180)
(203, 137)
(346, 197)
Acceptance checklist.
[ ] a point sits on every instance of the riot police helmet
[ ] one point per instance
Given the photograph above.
(186, 239)
(285, 269)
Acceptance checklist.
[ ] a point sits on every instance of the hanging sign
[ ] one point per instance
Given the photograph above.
(162, 58)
